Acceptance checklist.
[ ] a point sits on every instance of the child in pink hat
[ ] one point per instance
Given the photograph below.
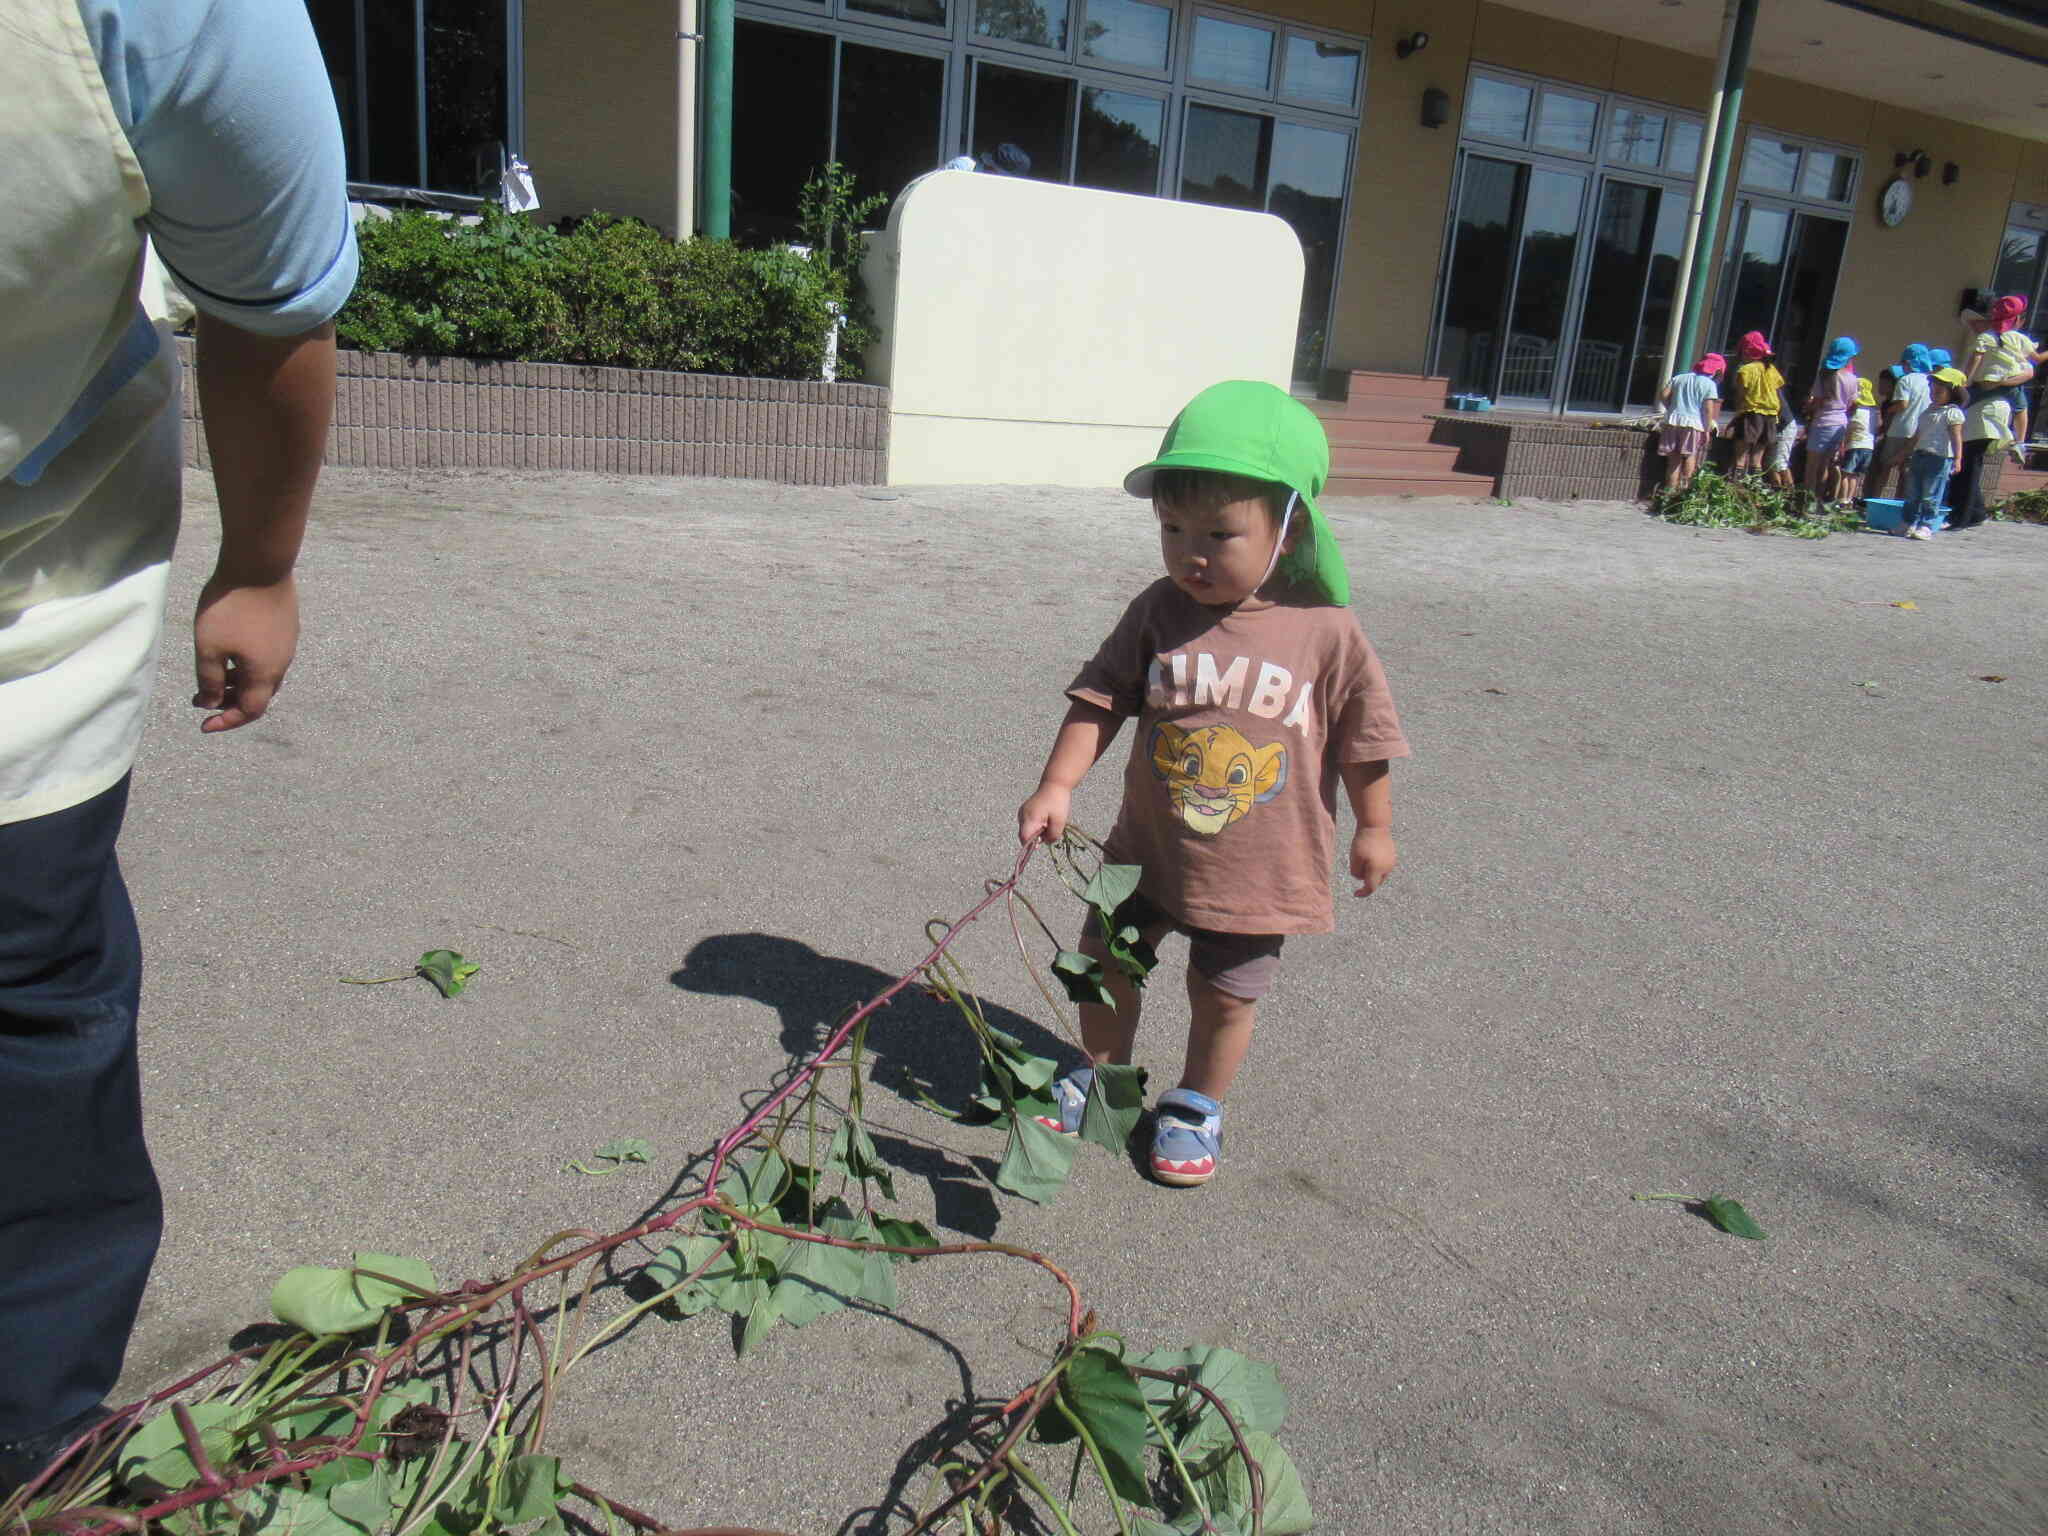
(1759, 393)
(1692, 409)
(2001, 359)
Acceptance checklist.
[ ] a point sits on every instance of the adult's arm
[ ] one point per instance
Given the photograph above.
(228, 106)
(266, 402)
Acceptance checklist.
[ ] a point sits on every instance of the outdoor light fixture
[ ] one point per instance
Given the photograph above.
(1919, 159)
(1436, 108)
(1413, 43)
(1951, 173)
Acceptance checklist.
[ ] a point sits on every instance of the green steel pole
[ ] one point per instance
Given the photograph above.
(716, 143)
(1699, 295)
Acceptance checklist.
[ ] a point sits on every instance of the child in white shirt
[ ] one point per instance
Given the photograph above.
(1936, 450)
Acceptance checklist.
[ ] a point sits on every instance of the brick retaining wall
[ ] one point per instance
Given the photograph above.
(393, 411)
(1551, 459)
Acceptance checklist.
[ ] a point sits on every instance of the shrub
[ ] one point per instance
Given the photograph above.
(602, 290)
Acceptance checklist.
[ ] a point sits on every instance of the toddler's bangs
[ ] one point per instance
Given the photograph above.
(1204, 490)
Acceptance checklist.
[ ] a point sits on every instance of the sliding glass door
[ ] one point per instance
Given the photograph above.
(1779, 278)
(1632, 275)
(1547, 309)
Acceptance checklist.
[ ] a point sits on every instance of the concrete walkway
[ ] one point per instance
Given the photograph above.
(1721, 874)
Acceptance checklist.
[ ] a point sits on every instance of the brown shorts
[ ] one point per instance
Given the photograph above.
(1753, 429)
(1241, 964)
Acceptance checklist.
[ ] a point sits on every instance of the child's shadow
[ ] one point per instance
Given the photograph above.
(916, 1045)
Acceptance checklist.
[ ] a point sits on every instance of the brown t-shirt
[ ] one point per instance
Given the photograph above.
(1243, 719)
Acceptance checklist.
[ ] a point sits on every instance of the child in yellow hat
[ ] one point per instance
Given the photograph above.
(1861, 442)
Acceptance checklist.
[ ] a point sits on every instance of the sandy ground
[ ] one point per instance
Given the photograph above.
(1720, 874)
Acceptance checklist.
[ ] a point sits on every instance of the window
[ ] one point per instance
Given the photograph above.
(1025, 113)
(1562, 259)
(1498, 109)
(885, 128)
(931, 13)
(1770, 165)
(1023, 21)
(1177, 97)
(1785, 168)
(1231, 54)
(1120, 139)
(424, 91)
(1128, 32)
(1636, 137)
(1566, 123)
(1323, 72)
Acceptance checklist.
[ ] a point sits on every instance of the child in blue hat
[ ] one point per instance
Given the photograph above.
(1255, 694)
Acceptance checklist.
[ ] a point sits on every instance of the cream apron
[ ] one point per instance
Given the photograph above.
(85, 548)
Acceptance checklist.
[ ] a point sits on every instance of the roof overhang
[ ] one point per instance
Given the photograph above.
(1845, 45)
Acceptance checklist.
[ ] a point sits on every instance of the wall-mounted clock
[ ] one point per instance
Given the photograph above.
(1896, 202)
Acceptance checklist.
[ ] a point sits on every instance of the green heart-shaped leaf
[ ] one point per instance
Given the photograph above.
(156, 1459)
(1036, 1161)
(1228, 1486)
(710, 1288)
(324, 1301)
(1116, 1098)
(447, 970)
(853, 1153)
(1105, 1397)
(1081, 975)
(1111, 886)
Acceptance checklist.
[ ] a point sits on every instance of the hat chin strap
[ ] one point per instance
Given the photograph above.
(1286, 521)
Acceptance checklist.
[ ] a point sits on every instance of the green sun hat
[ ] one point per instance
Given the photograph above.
(1248, 427)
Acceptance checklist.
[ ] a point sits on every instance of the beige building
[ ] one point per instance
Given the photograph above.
(1496, 192)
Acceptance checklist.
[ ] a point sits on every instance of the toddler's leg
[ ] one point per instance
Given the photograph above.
(1219, 1033)
(1106, 1034)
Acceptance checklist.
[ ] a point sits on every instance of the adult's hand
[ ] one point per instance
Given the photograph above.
(243, 640)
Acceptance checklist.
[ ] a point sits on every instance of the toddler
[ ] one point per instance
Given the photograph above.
(1759, 395)
(1255, 694)
(1692, 408)
(1858, 445)
(1827, 421)
(1788, 434)
(1935, 452)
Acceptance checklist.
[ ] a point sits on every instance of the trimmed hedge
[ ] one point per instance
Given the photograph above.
(606, 291)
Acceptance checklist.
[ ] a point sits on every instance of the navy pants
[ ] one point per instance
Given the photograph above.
(80, 1212)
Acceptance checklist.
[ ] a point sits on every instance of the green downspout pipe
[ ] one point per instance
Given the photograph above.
(1699, 295)
(716, 144)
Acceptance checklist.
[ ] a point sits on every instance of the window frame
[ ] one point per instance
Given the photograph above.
(1805, 145)
(355, 120)
(1322, 35)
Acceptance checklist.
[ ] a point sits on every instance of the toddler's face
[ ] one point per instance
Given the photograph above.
(1218, 557)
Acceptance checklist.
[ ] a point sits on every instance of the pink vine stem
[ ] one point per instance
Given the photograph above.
(450, 1310)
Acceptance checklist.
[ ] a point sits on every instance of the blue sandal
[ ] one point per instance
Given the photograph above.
(1071, 1094)
(1187, 1136)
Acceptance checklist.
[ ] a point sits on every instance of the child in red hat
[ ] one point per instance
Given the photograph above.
(1692, 409)
(1759, 398)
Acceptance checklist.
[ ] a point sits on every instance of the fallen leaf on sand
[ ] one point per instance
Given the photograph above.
(1493, 690)
(1990, 677)
(1909, 604)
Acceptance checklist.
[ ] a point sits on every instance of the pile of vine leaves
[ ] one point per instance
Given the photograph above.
(396, 1405)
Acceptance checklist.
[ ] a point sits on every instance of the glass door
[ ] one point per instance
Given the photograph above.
(1631, 276)
(1780, 279)
(1292, 170)
(1509, 287)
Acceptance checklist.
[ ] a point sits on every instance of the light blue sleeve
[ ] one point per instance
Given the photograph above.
(228, 106)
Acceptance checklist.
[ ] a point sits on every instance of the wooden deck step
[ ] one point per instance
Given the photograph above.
(1393, 482)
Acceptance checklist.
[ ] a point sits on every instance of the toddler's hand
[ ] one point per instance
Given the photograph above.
(1043, 818)
(1373, 858)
